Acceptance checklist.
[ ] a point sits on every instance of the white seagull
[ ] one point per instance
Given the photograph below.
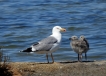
(49, 44)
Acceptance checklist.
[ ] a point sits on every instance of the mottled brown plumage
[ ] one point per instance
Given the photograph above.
(79, 46)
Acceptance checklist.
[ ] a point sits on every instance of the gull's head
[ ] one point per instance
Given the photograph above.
(73, 38)
(58, 29)
(82, 37)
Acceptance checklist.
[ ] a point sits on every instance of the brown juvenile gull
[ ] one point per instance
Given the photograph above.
(49, 44)
(84, 45)
(79, 46)
(74, 44)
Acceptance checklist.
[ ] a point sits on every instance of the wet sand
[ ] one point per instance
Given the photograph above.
(90, 68)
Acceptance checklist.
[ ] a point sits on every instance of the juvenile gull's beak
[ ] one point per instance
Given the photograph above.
(69, 38)
(63, 29)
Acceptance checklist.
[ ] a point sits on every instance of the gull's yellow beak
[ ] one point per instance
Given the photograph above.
(63, 29)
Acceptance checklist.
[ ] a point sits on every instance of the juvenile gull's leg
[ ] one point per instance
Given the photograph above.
(78, 57)
(86, 56)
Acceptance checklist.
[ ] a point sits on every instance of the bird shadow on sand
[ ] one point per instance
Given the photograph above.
(65, 62)
(75, 62)
(45, 63)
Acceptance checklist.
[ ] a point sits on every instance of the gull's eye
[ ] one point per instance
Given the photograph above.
(74, 37)
(82, 37)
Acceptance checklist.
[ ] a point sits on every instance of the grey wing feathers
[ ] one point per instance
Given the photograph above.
(49, 40)
(43, 47)
(45, 44)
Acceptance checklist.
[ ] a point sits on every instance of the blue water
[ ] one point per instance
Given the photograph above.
(23, 22)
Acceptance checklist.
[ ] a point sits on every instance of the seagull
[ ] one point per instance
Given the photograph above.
(49, 44)
(80, 46)
(84, 44)
(73, 44)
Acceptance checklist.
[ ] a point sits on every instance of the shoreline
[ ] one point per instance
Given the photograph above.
(90, 68)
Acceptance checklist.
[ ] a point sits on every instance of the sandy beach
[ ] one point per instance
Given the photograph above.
(90, 68)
